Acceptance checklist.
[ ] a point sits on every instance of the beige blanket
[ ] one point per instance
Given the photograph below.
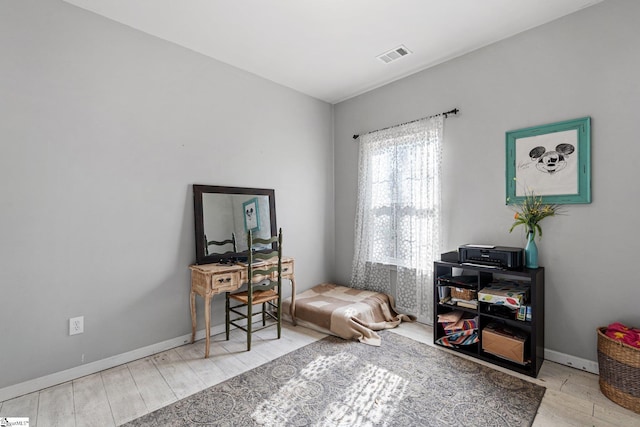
(346, 312)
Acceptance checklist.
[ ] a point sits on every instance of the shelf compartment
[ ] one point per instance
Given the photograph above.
(529, 369)
(506, 342)
(501, 312)
(489, 355)
(458, 307)
(519, 324)
(470, 350)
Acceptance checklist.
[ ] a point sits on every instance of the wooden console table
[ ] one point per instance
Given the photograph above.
(208, 280)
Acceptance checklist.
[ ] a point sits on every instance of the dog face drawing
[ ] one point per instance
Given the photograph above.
(551, 161)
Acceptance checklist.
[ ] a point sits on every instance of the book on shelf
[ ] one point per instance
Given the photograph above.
(466, 303)
(456, 302)
(524, 313)
(443, 292)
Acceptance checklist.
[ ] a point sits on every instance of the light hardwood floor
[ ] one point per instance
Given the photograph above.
(120, 394)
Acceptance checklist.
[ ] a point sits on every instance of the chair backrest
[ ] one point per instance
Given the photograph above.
(259, 276)
(231, 241)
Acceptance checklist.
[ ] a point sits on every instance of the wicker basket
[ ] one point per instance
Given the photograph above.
(619, 366)
(463, 293)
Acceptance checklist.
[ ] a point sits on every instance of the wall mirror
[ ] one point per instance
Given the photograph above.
(221, 212)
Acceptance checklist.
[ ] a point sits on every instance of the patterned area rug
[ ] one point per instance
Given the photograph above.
(333, 382)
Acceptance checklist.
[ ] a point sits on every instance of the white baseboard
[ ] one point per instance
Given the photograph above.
(120, 359)
(572, 361)
(56, 378)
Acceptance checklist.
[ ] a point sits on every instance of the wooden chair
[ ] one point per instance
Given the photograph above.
(264, 286)
(231, 241)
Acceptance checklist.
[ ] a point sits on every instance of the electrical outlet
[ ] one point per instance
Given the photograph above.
(76, 325)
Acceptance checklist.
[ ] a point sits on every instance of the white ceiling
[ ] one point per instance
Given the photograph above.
(328, 48)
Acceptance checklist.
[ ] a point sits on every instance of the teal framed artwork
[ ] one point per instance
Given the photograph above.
(251, 215)
(552, 161)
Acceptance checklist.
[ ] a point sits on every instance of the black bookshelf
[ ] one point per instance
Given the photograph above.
(533, 328)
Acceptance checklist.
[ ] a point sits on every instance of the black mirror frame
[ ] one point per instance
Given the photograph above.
(199, 190)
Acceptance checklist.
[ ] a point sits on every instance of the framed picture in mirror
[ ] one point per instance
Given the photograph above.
(251, 215)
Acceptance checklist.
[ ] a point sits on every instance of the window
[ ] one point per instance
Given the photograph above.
(398, 211)
(404, 199)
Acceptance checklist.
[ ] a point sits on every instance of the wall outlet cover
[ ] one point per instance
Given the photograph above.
(76, 325)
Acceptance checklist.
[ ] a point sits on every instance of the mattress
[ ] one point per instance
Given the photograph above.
(346, 312)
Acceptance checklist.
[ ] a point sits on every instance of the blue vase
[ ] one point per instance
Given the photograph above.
(531, 251)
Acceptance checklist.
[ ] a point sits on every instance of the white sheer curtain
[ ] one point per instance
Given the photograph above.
(397, 235)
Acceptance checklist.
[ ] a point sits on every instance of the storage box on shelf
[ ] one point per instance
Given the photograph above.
(505, 292)
(463, 293)
(500, 301)
(503, 341)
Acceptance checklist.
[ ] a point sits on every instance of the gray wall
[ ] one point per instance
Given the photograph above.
(104, 129)
(586, 64)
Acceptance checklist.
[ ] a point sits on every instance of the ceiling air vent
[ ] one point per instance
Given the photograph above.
(394, 54)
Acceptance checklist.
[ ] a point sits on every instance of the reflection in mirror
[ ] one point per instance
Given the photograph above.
(224, 213)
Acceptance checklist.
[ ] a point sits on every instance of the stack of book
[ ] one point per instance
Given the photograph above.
(473, 304)
(459, 329)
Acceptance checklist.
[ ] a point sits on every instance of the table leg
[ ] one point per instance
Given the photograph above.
(207, 324)
(292, 307)
(192, 303)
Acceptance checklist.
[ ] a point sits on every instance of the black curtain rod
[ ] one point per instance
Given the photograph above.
(445, 114)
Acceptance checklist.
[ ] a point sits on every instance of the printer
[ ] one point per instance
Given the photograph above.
(492, 256)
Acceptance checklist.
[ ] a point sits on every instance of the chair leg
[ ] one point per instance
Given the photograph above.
(228, 315)
(279, 315)
(264, 318)
(249, 323)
